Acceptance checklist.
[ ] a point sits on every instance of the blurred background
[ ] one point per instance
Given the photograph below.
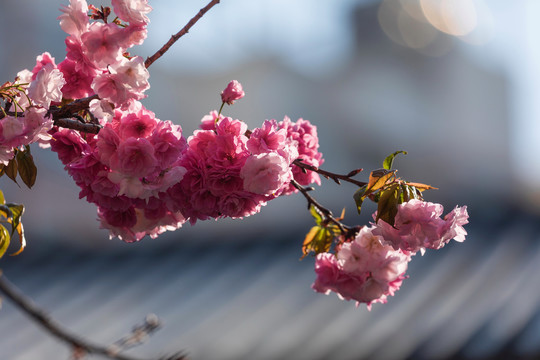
(453, 82)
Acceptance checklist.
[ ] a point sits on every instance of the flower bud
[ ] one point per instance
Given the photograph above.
(232, 92)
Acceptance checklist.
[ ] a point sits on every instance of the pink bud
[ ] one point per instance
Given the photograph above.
(232, 92)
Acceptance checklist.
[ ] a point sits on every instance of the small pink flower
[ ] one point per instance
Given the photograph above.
(455, 220)
(137, 124)
(208, 122)
(232, 92)
(102, 110)
(110, 87)
(418, 226)
(78, 84)
(100, 44)
(75, 53)
(265, 173)
(47, 86)
(132, 35)
(42, 61)
(132, 73)
(12, 128)
(107, 144)
(132, 11)
(69, 145)
(168, 143)
(267, 138)
(304, 134)
(74, 19)
(37, 126)
(365, 270)
(134, 157)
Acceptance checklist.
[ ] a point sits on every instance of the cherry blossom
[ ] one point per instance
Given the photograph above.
(419, 226)
(232, 92)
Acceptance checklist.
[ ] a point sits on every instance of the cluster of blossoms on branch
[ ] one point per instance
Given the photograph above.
(371, 266)
(141, 172)
(146, 178)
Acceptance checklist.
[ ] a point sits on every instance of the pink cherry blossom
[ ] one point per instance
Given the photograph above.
(418, 225)
(74, 19)
(75, 53)
(12, 128)
(208, 122)
(267, 138)
(126, 80)
(132, 35)
(107, 144)
(168, 143)
(100, 44)
(366, 269)
(133, 74)
(37, 126)
(111, 88)
(232, 92)
(42, 61)
(305, 135)
(78, 83)
(265, 173)
(134, 157)
(132, 11)
(137, 123)
(47, 86)
(102, 110)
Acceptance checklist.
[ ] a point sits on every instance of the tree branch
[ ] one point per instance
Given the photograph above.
(80, 345)
(150, 60)
(345, 230)
(328, 174)
(75, 124)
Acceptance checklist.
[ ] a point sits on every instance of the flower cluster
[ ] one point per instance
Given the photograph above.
(96, 60)
(229, 174)
(372, 266)
(126, 169)
(42, 86)
(366, 270)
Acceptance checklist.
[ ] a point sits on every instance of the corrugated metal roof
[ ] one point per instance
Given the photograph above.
(240, 300)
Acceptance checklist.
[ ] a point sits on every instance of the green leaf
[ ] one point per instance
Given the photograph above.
(389, 161)
(388, 202)
(378, 179)
(27, 168)
(4, 240)
(316, 214)
(359, 197)
(318, 240)
(2, 199)
(17, 210)
(421, 187)
(5, 211)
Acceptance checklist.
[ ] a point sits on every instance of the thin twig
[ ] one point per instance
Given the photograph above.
(328, 174)
(324, 211)
(149, 61)
(55, 329)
